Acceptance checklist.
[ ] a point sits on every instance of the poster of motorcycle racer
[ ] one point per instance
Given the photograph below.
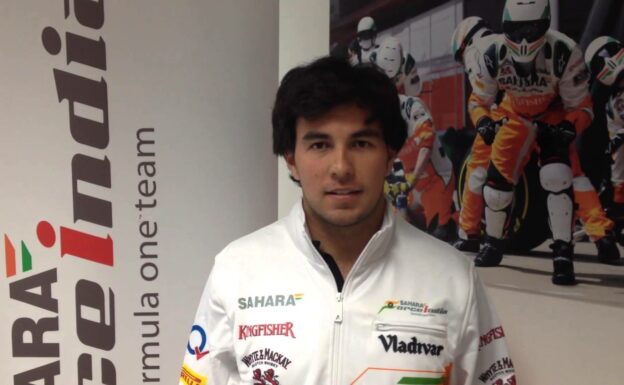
(507, 150)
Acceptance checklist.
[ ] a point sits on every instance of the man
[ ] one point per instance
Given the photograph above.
(422, 173)
(464, 49)
(546, 102)
(598, 227)
(363, 47)
(399, 66)
(605, 59)
(341, 292)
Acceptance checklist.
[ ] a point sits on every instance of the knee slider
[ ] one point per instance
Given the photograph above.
(555, 177)
(477, 180)
(496, 199)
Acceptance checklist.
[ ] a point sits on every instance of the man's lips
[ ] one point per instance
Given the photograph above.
(344, 192)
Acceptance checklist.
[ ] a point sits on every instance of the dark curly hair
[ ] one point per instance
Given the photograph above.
(312, 90)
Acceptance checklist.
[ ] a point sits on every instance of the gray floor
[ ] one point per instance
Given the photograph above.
(561, 335)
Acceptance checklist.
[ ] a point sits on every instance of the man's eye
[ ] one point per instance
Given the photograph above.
(318, 145)
(362, 144)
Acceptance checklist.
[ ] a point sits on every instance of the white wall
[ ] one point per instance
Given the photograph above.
(303, 36)
(198, 73)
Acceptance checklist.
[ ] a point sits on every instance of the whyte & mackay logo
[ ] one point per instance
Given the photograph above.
(269, 301)
(413, 307)
(266, 356)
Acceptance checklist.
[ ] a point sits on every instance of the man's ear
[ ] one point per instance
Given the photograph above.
(292, 167)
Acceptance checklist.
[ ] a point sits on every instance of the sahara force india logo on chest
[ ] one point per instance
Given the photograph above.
(269, 301)
(413, 307)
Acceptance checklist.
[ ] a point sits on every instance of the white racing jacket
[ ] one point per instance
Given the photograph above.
(412, 311)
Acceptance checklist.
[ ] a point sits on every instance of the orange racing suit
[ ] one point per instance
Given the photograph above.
(556, 90)
(433, 187)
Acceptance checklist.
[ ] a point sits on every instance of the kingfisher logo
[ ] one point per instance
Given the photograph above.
(283, 329)
(197, 342)
(491, 336)
(277, 300)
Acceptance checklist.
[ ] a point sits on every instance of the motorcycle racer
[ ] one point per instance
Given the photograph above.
(465, 51)
(605, 59)
(424, 174)
(596, 224)
(399, 66)
(429, 176)
(546, 102)
(363, 46)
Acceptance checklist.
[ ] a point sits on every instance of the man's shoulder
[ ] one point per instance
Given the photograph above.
(420, 248)
(257, 243)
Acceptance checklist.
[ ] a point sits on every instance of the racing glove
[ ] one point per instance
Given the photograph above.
(487, 129)
(614, 144)
(564, 132)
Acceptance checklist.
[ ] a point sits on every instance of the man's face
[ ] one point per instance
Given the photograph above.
(341, 162)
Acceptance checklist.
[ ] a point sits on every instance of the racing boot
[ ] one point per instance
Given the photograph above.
(491, 253)
(445, 232)
(563, 267)
(471, 244)
(608, 252)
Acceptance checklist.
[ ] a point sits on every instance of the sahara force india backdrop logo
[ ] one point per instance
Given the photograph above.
(413, 307)
(269, 301)
(84, 98)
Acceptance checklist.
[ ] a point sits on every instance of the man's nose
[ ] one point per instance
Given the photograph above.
(342, 165)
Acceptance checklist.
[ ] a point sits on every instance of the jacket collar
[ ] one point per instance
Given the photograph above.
(374, 250)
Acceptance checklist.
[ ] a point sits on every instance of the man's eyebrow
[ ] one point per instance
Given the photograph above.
(314, 135)
(367, 132)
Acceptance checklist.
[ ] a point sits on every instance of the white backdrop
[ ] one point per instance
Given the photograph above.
(191, 79)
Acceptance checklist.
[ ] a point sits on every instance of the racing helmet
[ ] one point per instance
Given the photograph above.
(467, 31)
(366, 32)
(389, 57)
(605, 59)
(525, 24)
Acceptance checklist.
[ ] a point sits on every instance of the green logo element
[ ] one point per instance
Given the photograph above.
(421, 381)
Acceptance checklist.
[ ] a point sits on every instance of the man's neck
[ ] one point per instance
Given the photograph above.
(345, 243)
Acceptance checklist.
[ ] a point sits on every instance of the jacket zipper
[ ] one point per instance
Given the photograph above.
(337, 341)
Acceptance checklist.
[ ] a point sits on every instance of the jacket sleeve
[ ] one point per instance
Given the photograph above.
(482, 354)
(484, 86)
(574, 91)
(209, 356)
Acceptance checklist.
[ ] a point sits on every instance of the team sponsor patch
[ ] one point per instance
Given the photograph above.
(269, 300)
(413, 307)
(189, 377)
(391, 342)
(490, 336)
(266, 356)
(197, 342)
(400, 376)
(497, 369)
(265, 377)
(260, 330)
